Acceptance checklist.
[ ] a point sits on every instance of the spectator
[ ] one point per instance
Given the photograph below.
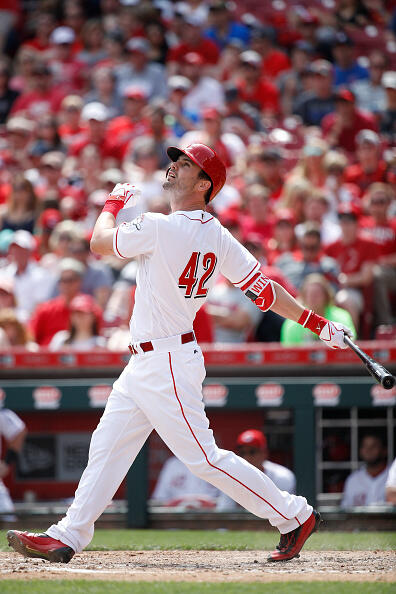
(346, 69)
(156, 33)
(7, 95)
(44, 97)
(84, 325)
(267, 168)
(126, 128)
(238, 111)
(64, 234)
(44, 24)
(15, 331)
(257, 219)
(296, 267)
(13, 430)
(67, 70)
(370, 167)
(114, 45)
(46, 223)
(319, 100)
(291, 83)
(7, 294)
(252, 446)
(337, 189)
(341, 127)
(316, 210)
(254, 88)
(21, 208)
(96, 116)
(356, 259)
(177, 486)
(317, 294)
(370, 93)
(32, 284)
(366, 486)
(390, 487)
(19, 132)
(47, 137)
(181, 120)
(104, 91)
(223, 27)
(25, 62)
(193, 41)
(92, 38)
(139, 71)
(283, 239)
(72, 129)
(273, 60)
(352, 13)
(294, 194)
(388, 114)
(310, 165)
(233, 317)
(205, 91)
(54, 315)
(380, 228)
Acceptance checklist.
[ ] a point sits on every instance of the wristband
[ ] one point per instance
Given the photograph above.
(312, 321)
(113, 206)
(11, 456)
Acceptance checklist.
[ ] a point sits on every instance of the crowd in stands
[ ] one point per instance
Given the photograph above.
(297, 98)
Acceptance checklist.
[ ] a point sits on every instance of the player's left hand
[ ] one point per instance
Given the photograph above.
(126, 193)
(333, 335)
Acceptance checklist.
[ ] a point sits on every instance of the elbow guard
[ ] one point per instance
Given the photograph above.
(260, 289)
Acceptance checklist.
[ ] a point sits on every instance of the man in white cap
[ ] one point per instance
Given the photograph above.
(95, 116)
(32, 285)
(66, 69)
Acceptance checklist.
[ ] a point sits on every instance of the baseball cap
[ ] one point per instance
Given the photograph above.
(138, 45)
(348, 209)
(194, 19)
(20, 124)
(250, 57)
(94, 111)
(389, 80)
(345, 95)
(210, 113)
(62, 35)
(111, 175)
(53, 159)
(23, 239)
(193, 58)
(72, 101)
(49, 218)
(71, 264)
(285, 215)
(135, 92)
(252, 437)
(98, 197)
(342, 38)
(368, 136)
(179, 83)
(84, 303)
(321, 67)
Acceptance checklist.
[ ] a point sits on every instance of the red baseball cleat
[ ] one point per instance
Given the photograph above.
(42, 546)
(290, 544)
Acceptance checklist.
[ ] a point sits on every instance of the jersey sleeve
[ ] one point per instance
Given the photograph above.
(136, 238)
(238, 265)
(10, 424)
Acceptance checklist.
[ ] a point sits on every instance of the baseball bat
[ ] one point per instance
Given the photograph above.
(378, 371)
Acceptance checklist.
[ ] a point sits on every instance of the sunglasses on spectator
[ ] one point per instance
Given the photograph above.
(247, 451)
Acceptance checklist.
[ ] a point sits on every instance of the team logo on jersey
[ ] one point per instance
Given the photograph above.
(326, 394)
(47, 397)
(137, 223)
(269, 394)
(382, 397)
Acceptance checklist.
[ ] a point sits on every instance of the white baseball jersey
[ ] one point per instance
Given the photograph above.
(176, 481)
(172, 284)
(391, 479)
(363, 489)
(10, 424)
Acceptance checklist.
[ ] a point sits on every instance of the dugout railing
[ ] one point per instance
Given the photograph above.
(314, 403)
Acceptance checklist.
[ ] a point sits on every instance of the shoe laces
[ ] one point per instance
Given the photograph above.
(287, 541)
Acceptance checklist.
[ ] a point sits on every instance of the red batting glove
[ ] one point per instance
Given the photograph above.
(331, 333)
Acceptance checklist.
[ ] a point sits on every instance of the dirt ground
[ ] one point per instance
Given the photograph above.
(208, 566)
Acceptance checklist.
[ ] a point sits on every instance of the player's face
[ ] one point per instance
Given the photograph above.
(371, 450)
(182, 175)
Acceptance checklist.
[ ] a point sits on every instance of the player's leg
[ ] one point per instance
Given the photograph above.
(115, 443)
(177, 413)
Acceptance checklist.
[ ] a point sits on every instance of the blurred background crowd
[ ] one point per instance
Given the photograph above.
(297, 98)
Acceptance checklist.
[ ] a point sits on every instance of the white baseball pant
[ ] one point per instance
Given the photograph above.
(162, 389)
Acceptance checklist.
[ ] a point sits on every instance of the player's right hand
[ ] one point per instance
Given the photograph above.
(127, 193)
(333, 335)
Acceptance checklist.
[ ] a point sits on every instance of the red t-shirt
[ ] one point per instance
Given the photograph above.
(122, 130)
(383, 235)
(351, 257)
(355, 174)
(36, 104)
(264, 229)
(346, 140)
(264, 96)
(48, 319)
(106, 148)
(207, 49)
(274, 63)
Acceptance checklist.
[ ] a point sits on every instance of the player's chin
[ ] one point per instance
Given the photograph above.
(168, 184)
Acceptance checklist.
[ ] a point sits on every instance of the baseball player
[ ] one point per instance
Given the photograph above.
(179, 257)
(13, 429)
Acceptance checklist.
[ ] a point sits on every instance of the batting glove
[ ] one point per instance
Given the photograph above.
(127, 193)
(332, 333)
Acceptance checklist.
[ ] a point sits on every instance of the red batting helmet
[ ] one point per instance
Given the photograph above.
(207, 160)
(252, 437)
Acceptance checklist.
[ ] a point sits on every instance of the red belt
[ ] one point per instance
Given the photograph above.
(148, 346)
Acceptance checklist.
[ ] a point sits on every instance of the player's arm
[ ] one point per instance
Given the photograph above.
(102, 240)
